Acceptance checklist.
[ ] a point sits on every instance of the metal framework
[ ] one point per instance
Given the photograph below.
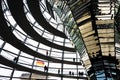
(76, 39)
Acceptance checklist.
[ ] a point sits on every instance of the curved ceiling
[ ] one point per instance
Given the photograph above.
(8, 36)
(16, 8)
(36, 13)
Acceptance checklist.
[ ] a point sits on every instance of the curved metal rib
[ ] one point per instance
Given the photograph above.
(16, 8)
(36, 13)
(8, 36)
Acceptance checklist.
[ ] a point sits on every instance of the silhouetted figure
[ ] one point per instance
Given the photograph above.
(73, 73)
(47, 53)
(73, 59)
(93, 56)
(109, 55)
(80, 73)
(45, 68)
(58, 71)
(15, 59)
(69, 72)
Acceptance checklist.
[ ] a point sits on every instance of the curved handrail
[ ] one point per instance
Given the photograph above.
(12, 64)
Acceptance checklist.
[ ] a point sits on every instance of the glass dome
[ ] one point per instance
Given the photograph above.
(29, 43)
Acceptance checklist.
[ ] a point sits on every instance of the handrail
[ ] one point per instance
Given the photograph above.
(12, 64)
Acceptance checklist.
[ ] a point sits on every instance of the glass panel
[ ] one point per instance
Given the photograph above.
(94, 50)
(54, 68)
(86, 25)
(19, 35)
(91, 42)
(87, 63)
(68, 68)
(107, 49)
(106, 35)
(8, 55)
(92, 47)
(92, 37)
(11, 48)
(39, 31)
(102, 40)
(86, 30)
(31, 42)
(108, 53)
(20, 74)
(54, 78)
(105, 30)
(4, 78)
(104, 21)
(5, 72)
(25, 61)
(71, 57)
(31, 46)
(88, 34)
(56, 55)
(83, 18)
(26, 55)
(38, 76)
(44, 47)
